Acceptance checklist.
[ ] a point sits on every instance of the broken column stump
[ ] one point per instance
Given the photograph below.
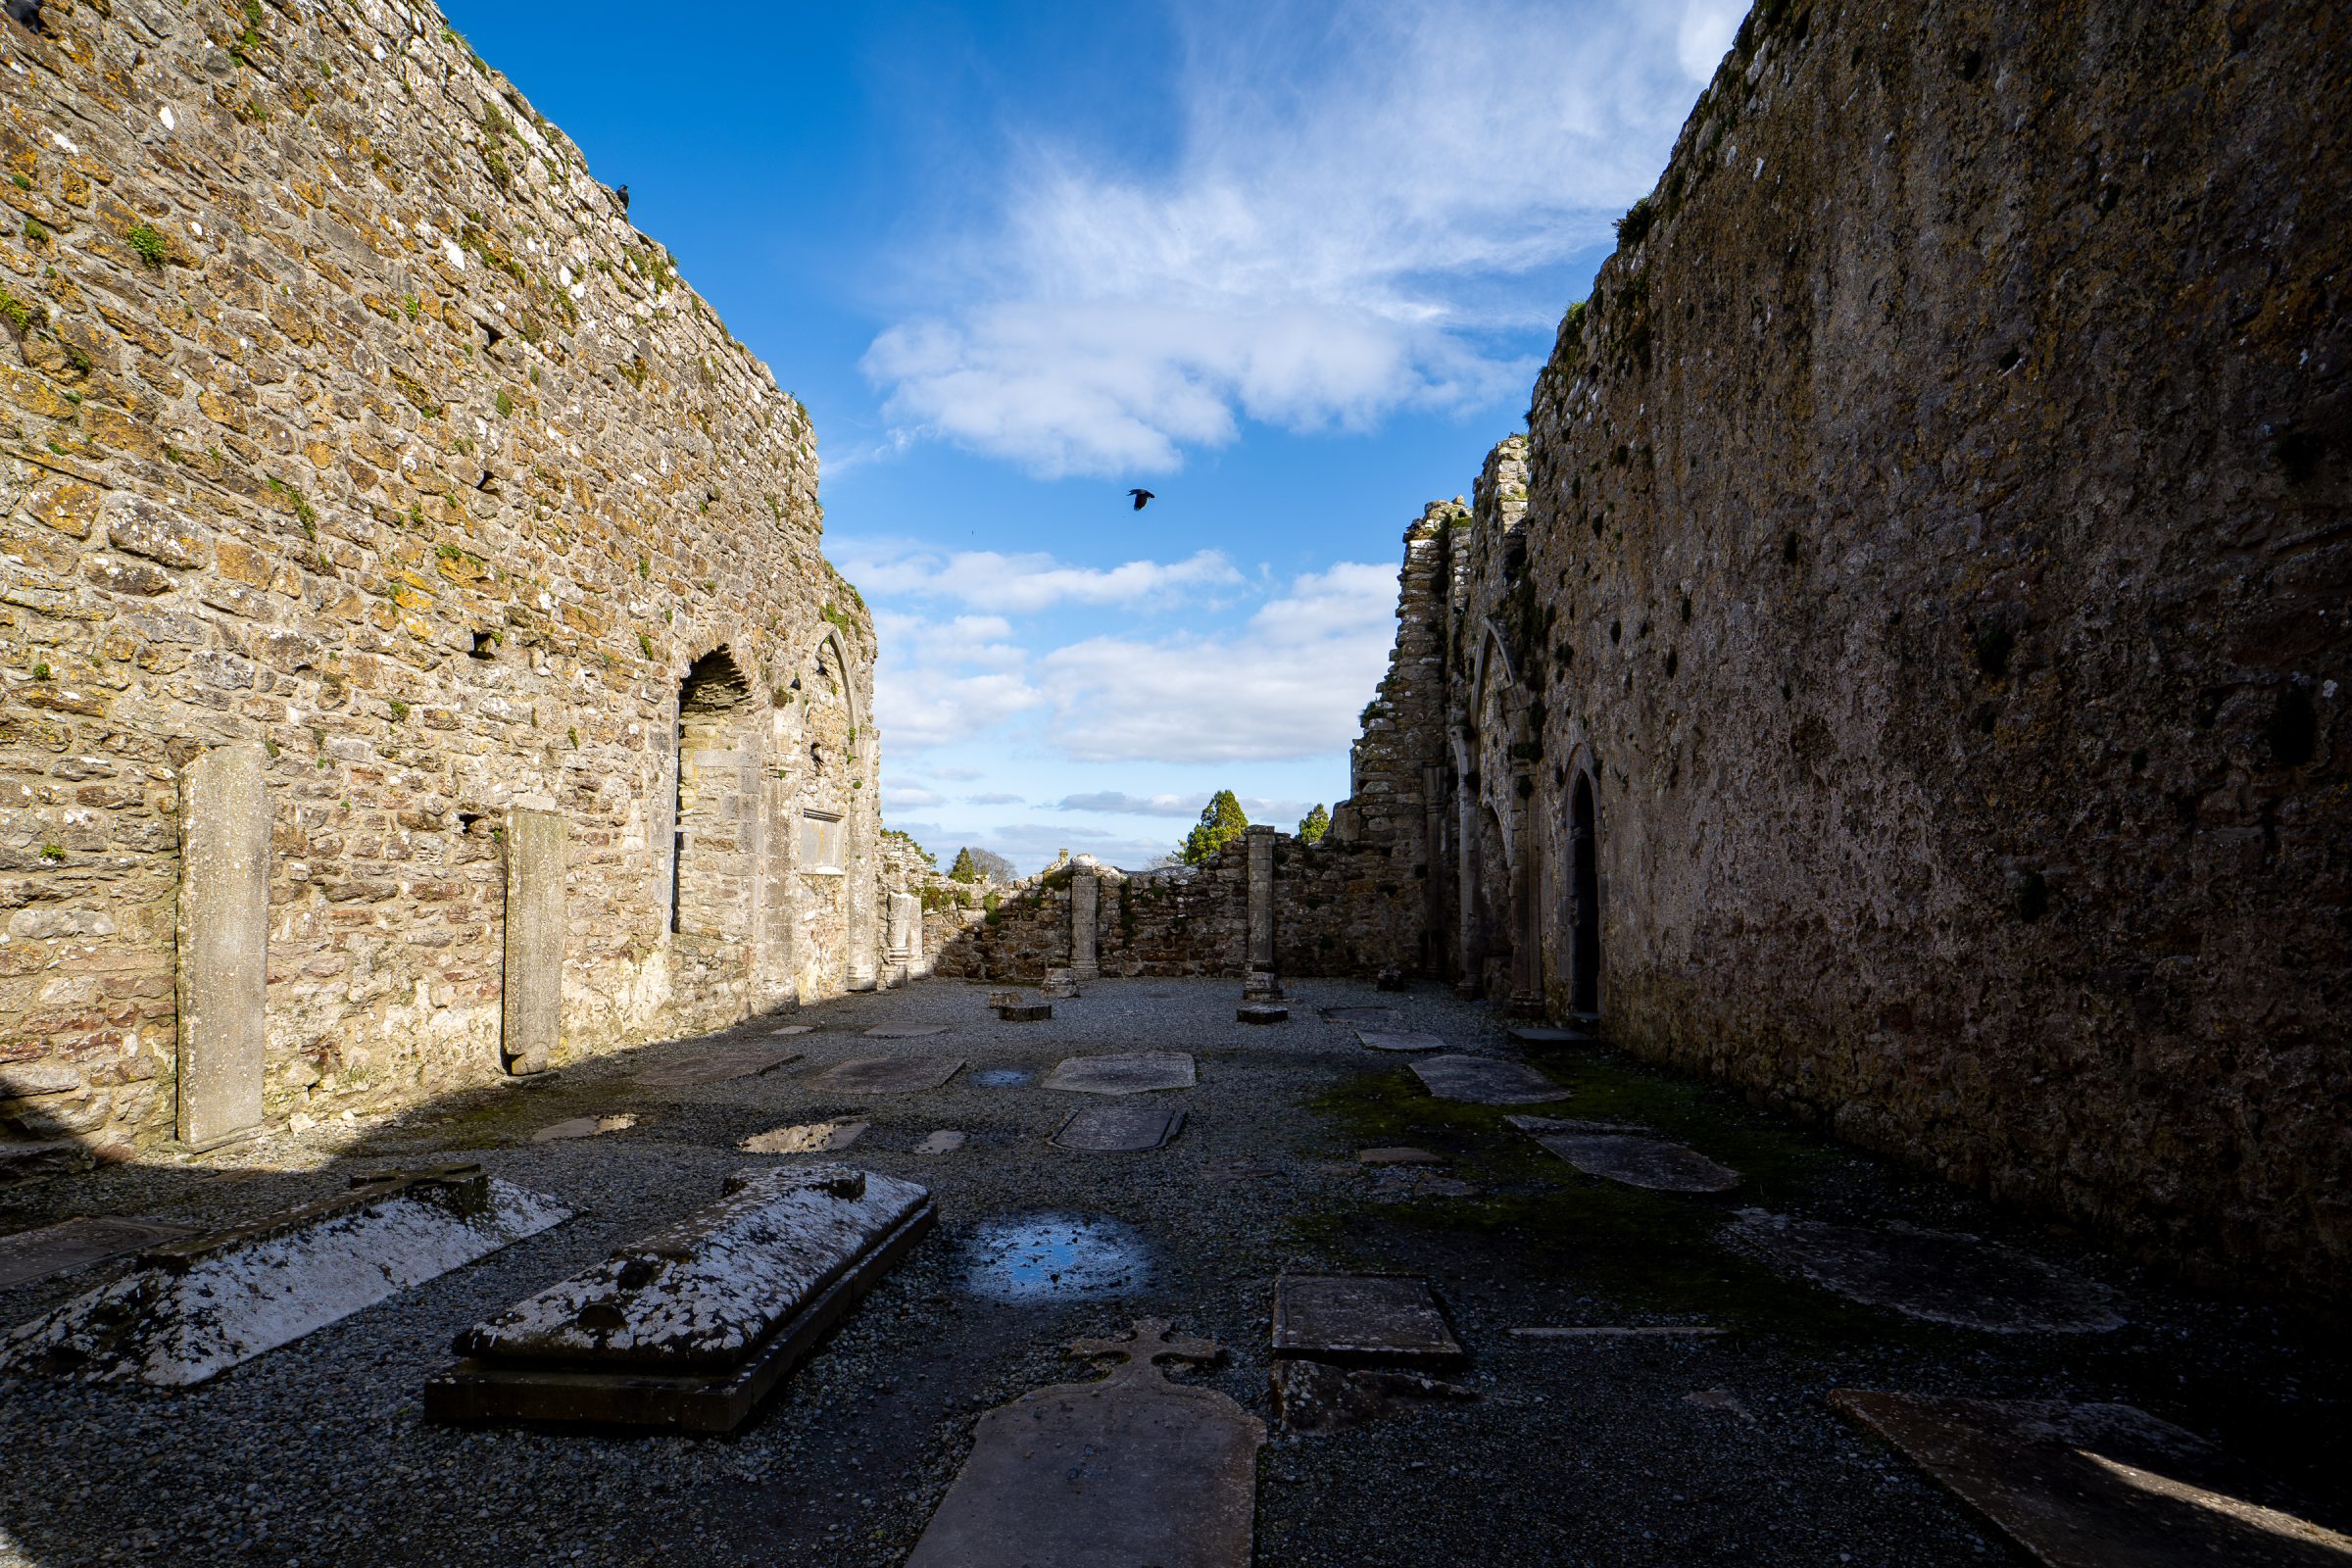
(190, 1309)
(1129, 1470)
(690, 1329)
(223, 945)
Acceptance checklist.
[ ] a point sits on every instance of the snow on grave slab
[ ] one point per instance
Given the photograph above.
(1132, 1469)
(193, 1309)
(1119, 1128)
(1361, 1318)
(1628, 1155)
(1936, 1276)
(76, 1244)
(1486, 1081)
(715, 1066)
(691, 1328)
(1129, 1073)
(2098, 1486)
(887, 1075)
(1398, 1040)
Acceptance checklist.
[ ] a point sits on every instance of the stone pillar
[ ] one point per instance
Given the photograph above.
(1260, 956)
(861, 871)
(901, 936)
(223, 944)
(1086, 904)
(1433, 871)
(1527, 947)
(1469, 955)
(531, 1023)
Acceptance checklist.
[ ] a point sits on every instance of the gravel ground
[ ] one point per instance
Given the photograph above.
(1576, 1452)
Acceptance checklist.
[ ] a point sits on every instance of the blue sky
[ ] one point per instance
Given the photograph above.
(1292, 268)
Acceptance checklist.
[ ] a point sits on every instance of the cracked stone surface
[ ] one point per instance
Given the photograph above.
(1127, 1073)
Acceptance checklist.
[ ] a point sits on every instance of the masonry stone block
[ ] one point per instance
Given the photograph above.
(532, 1024)
(223, 944)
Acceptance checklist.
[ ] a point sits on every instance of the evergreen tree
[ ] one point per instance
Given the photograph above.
(979, 865)
(1222, 820)
(1315, 825)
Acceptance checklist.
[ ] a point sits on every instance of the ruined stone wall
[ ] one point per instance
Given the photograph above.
(1935, 567)
(346, 414)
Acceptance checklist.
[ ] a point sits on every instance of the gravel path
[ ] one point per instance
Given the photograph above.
(1576, 1452)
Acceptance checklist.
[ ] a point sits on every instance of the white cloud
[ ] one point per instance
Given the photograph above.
(1020, 584)
(1186, 807)
(1351, 213)
(995, 798)
(896, 796)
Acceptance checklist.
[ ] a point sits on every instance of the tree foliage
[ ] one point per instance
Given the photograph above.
(979, 865)
(1313, 826)
(1222, 820)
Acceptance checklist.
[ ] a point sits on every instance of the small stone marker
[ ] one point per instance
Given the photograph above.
(1370, 1018)
(76, 1244)
(2098, 1486)
(1627, 1154)
(583, 1127)
(1398, 1040)
(808, 1138)
(691, 1328)
(1936, 1276)
(1004, 999)
(1119, 1128)
(1260, 1013)
(1262, 985)
(1129, 1073)
(715, 1066)
(1486, 1081)
(195, 1307)
(1398, 1154)
(887, 1075)
(943, 1142)
(1026, 1013)
(1130, 1470)
(1062, 985)
(1534, 1035)
(906, 1031)
(1361, 1318)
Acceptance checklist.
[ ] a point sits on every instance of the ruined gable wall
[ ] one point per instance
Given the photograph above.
(344, 412)
(1938, 515)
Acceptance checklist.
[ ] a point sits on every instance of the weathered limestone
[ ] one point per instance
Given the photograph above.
(1119, 1128)
(887, 1075)
(1936, 1276)
(715, 1066)
(532, 985)
(1260, 957)
(1086, 890)
(194, 1308)
(807, 1138)
(223, 945)
(1407, 1039)
(904, 937)
(1486, 1081)
(76, 1244)
(1124, 1074)
(1361, 1319)
(1629, 1154)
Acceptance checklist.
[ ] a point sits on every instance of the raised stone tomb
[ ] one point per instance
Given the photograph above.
(691, 1328)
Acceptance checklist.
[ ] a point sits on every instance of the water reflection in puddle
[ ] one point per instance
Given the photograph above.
(1062, 1257)
(1003, 1077)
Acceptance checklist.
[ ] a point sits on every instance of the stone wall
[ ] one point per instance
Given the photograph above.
(1914, 691)
(347, 417)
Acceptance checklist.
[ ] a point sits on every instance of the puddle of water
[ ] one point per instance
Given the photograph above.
(1003, 1077)
(1054, 1257)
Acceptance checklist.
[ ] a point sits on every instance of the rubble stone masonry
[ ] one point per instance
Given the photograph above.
(345, 413)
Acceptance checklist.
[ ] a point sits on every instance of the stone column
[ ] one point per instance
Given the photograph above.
(223, 944)
(532, 991)
(1433, 871)
(1469, 954)
(1260, 956)
(1086, 903)
(1527, 947)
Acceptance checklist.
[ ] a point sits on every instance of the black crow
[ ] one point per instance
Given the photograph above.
(1141, 498)
(624, 193)
(27, 12)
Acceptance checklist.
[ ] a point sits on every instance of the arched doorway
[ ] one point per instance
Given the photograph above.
(1583, 899)
(711, 879)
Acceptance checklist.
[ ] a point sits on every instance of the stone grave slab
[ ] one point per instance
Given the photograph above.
(791, 1029)
(713, 1066)
(906, 1031)
(808, 1138)
(1260, 1013)
(943, 1142)
(1316, 1396)
(1628, 1155)
(1646, 1331)
(1129, 1470)
(582, 1127)
(192, 1308)
(1936, 1276)
(1362, 1318)
(1486, 1081)
(1398, 1154)
(1026, 1013)
(1366, 1017)
(76, 1244)
(1119, 1128)
(887, 1075)
(1398, 1040)
(2098, 1486)
(1129, 1073)
(1537, 1035)
(689, 1329)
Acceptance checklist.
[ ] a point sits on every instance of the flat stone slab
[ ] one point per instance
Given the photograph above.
(715, 1066)
(1362, 1318)
(1369, 1017)
(1119, 1128)
(1398, 1040)
(793, 1029)
(943, 1142)
(1128, 1471)
(1260, 1013)
(1662, 1331)
(1628, 1155)
(887, 1075)
(583, 1127)
(1131, 1073)
(807, 1138)
(1536, 1035)
(76, 1244)
(195, 1307)
(1316, 1396)
(1025, 1011)
(1936, 1276)
(2098, 1486)
(1486, 1081)
(1398, 1154)
(691, 1327)
(906, 1031)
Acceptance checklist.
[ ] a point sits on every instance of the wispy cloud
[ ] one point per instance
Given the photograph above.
(1116, 801)
(1356, 208)
(1022, 584)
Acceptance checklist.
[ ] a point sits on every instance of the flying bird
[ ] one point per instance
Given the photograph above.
(1143, 498)
(624, 193)
(27, 12)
